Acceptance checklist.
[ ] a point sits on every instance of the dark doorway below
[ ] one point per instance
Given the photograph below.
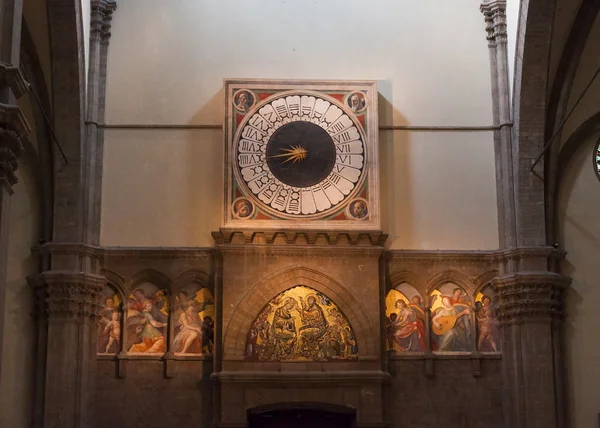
(301, 415)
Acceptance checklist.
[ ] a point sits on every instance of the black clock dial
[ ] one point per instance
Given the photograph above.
(300, 154)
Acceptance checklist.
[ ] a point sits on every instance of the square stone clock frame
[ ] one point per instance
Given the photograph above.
(301, 154)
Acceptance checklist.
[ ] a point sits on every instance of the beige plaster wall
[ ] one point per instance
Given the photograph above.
(166, 66)
(86, 10)
(579, 233)
(16, 379)
(578, 211)
(588, 65)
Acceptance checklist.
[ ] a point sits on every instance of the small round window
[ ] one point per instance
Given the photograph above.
(597, 158)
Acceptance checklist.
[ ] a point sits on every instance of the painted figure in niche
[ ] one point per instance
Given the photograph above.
(147, 320)
(450, 320)
(405, 320)
(243, 100)
(359, 209)
(242, 208)
(194, 325)
(109, 323)
(300, 324)
(356, 102)
(487, 324)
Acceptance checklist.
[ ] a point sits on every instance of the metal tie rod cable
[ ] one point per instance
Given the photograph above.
(46, 118)
(564, 121)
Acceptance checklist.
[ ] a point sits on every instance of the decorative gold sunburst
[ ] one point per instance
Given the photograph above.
(294, 154)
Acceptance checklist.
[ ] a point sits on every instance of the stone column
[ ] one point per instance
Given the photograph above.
(530, 311)
(13, 127)
(69, 292)
(495, 17)
(100, 24)
(69, 304)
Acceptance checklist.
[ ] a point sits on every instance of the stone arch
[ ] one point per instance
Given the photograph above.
(115, 280)
(529, 111)
(409, 277)
(586, 130)
(483, 281)
(191, 276)
(558, 103)
(149, 275)
(32, 70)
(450, 275)
(241, 317)
(68, 106)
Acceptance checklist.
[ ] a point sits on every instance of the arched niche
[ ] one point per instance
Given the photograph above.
(300, 324)
(109, 335)
(147, 319)
(405, 313)
(487, 327)
(451, 328)
(238, 320)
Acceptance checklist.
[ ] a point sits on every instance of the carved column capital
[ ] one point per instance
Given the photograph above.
(495, 18)
(69, 295)
(101, 18)
(530, 296)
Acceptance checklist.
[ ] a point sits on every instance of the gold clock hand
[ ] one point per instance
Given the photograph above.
(295, 154)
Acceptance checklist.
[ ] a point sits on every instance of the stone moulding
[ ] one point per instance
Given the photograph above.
(300, 237)
(100, 252)
(302, 377)
(477, 256)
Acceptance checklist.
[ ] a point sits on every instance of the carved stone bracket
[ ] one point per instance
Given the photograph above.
(536, 296)
(495, 18)
(12, 77)
(13, 128)
(69, 295)
(301, 238)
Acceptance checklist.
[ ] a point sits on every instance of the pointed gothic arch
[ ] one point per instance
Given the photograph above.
(240, 318)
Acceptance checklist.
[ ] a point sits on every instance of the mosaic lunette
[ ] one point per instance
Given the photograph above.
(301, 324)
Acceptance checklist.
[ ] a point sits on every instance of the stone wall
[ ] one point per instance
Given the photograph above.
(424, 389)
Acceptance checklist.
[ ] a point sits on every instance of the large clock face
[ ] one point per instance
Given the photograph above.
(300, 155)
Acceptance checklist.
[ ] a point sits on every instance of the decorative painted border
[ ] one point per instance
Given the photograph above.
(371, 132)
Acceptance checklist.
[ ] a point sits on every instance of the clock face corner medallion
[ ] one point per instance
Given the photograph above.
(301, 152)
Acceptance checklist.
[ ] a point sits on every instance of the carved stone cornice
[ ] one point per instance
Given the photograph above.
(77, 249)
(68, 295)
(443, 256)
(101, 17)
(495, 18)
(181, 253)
(302, 377)
(12, 77)
(300, 238)
(530, 296)
(530, 258)
(97, 252)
